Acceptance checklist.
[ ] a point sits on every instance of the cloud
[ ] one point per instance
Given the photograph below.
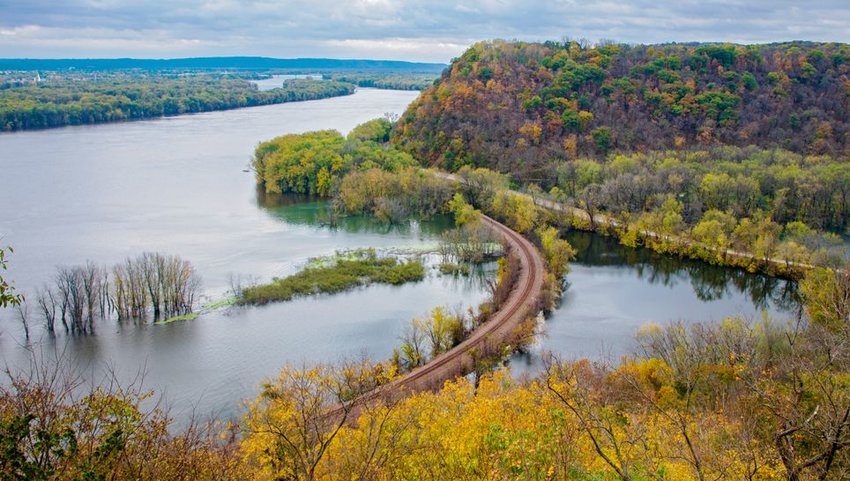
(404, 48)
(432, 30)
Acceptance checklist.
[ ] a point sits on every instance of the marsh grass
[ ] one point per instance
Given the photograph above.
(342, 272)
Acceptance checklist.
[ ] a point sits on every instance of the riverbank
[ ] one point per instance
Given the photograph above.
(673, 245)
(64, 103)
(569, 216)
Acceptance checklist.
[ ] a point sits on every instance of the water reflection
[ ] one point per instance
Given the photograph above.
(306, 210)
(709, 283)
(217, 360)
(176, 185)
(613, 290)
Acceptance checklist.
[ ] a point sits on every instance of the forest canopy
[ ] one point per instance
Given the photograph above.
(701, 150)
(75, 102)
(313, 163)
(519, 107)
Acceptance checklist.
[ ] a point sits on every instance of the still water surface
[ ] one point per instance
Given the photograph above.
(613, 290)
(276, 81)
(177, 185)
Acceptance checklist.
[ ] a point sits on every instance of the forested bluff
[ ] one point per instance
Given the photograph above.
(700, 140)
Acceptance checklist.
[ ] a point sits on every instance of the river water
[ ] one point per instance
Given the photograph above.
(612, 290)
(177, 185)
(276, 81)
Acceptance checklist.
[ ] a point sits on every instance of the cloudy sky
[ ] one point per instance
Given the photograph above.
(426, 30)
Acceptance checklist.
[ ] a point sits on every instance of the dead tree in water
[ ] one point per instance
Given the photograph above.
(473, 242)
(129, 296)
(47, 305)
(164, 285)
(69, 282)
(95, 283)
(23, 310)
(81, 292)
(154, 283)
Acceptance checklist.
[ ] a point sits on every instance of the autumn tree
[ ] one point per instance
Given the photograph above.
(292, 423)
(54, 427)
(827, 293)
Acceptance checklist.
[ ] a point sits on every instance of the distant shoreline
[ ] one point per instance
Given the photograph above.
(218, 63)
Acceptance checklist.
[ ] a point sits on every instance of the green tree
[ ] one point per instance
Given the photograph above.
(602, 139)
(462, 211)
(714, 232)
(301, 163)
(558, 251)
(7, 291)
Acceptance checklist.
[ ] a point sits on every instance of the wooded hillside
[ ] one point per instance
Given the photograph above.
(518, 107)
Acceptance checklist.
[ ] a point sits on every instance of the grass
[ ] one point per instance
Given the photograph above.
(330, 261)
(344, 271)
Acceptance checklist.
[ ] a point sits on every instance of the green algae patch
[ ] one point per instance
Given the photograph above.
(206, 308)
(183, 317)
(219, 304)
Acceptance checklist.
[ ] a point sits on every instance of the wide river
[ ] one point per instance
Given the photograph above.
(177, 185)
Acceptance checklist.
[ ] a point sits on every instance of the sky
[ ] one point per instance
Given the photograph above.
(418, 30)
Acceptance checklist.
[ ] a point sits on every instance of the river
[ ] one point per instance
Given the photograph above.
(276, 81)
(177, 185)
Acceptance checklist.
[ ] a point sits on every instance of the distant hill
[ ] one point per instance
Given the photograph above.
(237, 63)
(521, 107)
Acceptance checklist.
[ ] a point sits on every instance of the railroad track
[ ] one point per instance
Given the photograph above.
(501, 324)
(499, 327)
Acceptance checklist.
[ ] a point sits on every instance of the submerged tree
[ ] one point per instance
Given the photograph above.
(162, 284)
(151, 283)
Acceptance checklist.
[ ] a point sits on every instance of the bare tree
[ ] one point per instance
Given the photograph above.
(48, 306)
(152, 282)
(810, 409)
(69, 282)
(57, 427)
(93, 286)
(23, 310)
(582, 389)
(412, 350)
(589, 199)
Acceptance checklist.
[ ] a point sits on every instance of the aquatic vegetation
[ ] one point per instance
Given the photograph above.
(346, 271)
(184, 317)
(454, 269)
(219, 304)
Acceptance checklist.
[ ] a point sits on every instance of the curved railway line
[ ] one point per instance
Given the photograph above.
(499, 327)
(522, 302)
